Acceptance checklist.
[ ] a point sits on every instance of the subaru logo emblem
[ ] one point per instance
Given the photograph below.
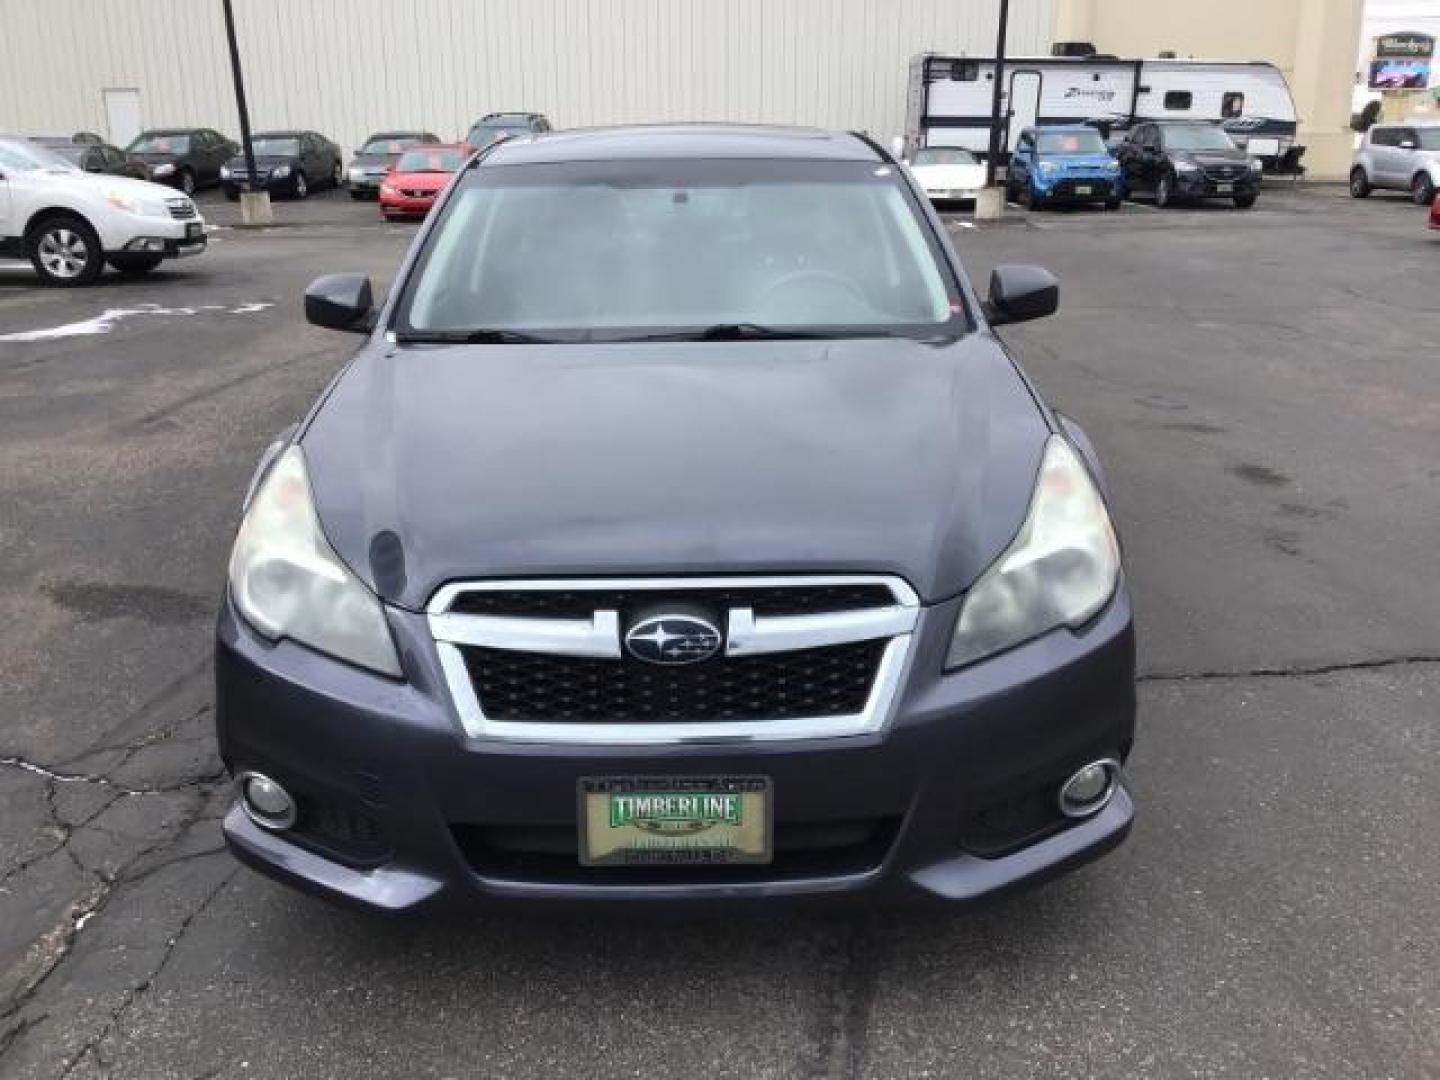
(672, 639)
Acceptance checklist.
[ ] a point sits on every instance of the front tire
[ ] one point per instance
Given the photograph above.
(1112, 204)
(134, 266)
(1033, 199)
(1244, 202)
(300, 187)
(65, 251)
(337, 176)
(1422, 189)
(1359, 183)
(1164, 192)
(185, 181)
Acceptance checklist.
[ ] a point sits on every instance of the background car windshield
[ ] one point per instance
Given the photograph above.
(160, 144)
(386, 146)
(568, 250)
(27, 157)
(482, 135)
(276, 147)
(1429, 138)
(1071, 142)
(1197, 138)
(944, 155)
(430, 161)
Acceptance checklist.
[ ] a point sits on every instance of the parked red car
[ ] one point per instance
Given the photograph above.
(421, 173)
(1435, 214)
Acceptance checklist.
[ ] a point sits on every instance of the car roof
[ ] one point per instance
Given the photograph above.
(405, 134)
(683, 141)
(509, 116)
(432, 147)
(1405, 124)
(289, 133)
(1062, 127)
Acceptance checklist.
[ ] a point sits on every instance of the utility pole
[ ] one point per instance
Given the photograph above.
(997, 122)
(254, 205)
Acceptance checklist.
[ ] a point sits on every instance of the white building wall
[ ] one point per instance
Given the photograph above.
(349, 67)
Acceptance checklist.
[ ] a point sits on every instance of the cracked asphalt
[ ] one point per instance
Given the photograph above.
(1262, 387)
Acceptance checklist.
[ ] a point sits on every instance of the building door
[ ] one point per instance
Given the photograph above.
(1024, 103)
(122, 115)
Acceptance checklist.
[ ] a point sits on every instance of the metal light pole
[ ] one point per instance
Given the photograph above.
(254, 205)
(996, 123)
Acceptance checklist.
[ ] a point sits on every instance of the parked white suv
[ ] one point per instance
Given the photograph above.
(69, 223)
(1401, 156)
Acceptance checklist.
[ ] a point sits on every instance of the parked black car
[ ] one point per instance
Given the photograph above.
(1187, 160)
(96, 157)
(373, 160)
(292, 163)
(186, 158)
(495, 126)
(603, 573)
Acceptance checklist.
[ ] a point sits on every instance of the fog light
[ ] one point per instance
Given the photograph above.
(1090, 789)
(145, 243)
(265, 802)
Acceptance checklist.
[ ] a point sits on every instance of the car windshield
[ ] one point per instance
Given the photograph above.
(442, 161)
(615, 250)
(1071, 142)
(276, 147)
(1429, 138)
(160, 143)
(27, 157)
(1197, 137)
(389, 144)
(482, 135)
(943, 155)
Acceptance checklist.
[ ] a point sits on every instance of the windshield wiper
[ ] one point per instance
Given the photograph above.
(478, 336)
(745, 331)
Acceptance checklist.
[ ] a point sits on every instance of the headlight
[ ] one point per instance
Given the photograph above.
(1060, 570)
(1048, 166)
(1184, 166)
(224, 172)
(121, 201)
(281, 171)
(387, 189)
(162, 170)
(287, 581)
(1112, 166)
(356, 174)
(1256, 165)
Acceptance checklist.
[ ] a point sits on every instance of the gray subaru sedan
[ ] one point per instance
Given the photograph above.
(680, 531)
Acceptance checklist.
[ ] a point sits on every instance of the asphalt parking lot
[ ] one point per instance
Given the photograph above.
(1262, 387)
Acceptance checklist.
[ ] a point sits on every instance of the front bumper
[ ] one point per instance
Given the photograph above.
(952, 194)
(953, 801)
(406, 205)
(1079, 188)
(366, 183)
(169, 237)
(1200, 185)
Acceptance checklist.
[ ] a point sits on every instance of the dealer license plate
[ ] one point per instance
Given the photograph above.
(1083, 189)
(194, 230)
(1224, 189)
(668, 820)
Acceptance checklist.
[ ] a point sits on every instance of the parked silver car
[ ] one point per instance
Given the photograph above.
(1405, 157)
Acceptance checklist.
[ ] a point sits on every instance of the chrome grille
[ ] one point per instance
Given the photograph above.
(813, 657)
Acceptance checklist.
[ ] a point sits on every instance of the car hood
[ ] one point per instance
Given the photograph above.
(1078, 161)
(265, 161)
(100, 184)
(1206, 158)
(949, 176)
(425, 181)
(437, 463)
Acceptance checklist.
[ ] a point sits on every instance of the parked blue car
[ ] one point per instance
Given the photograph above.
(1063, 164)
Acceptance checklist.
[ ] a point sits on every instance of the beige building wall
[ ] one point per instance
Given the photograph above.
(1312, 41)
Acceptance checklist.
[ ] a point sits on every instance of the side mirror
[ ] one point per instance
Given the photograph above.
(341, 302)
(1021, 293)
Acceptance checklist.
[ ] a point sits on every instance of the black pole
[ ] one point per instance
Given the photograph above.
(996, 125)
(240, 97)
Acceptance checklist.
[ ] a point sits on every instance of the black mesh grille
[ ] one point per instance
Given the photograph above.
(582, 603)
(183, 210)
(518, 686)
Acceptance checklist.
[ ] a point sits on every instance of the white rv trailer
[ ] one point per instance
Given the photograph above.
(948, 102)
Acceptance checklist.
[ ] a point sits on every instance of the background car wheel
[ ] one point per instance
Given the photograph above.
(1164, 191)
(65, 251)
(337, 175)
(356, 195)
(1422, 189)
(185, 180)
(132, 266)
(1244, 202)
(300, 187)
(1359, 183)
(233, 196)
(1033, 199)
(1112, 204)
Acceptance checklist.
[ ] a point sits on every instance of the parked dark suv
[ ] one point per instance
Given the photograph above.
(495, 126)
(1176, 160)
(186, 158)
(680, 531)
(292, 163)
